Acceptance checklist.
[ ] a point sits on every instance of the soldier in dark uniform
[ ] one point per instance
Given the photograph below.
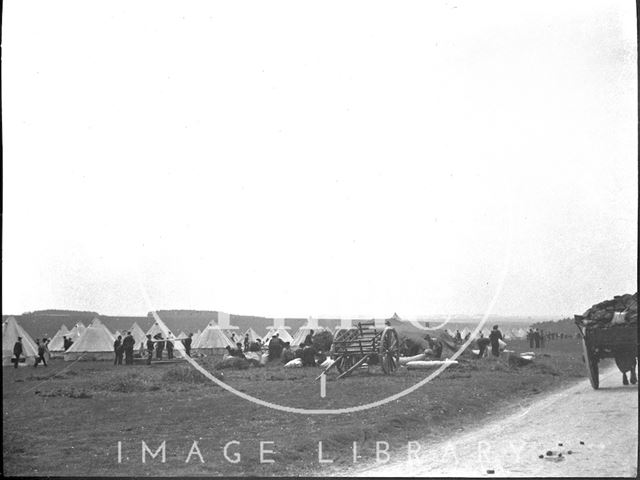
(128, 344)
(159, 346)
(41, 351)
(275, 347)
(118, 350)
(17, 351)
(308, 340)
(494, 337)
(308, 356)
(149, 349)
(169, 349)
(187, 344)
(482, 343)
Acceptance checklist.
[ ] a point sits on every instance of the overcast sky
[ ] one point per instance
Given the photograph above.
(295, 158)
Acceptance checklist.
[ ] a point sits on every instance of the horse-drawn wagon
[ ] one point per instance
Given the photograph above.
(364, 343)
(619, 341)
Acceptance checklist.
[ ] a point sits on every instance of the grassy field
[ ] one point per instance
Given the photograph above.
(71, 423)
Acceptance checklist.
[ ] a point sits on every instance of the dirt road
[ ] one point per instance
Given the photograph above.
(605, 420)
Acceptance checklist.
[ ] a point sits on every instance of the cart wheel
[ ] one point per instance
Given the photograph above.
(345, 363)
(389, 351)
(592, 365)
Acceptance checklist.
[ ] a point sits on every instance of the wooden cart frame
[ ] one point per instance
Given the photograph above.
(604, 341)
(352, 347)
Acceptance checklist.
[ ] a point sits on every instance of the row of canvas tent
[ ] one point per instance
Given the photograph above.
(95, 342)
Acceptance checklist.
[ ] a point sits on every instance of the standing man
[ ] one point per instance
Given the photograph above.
(118, 350)
(308, 356)
(169, 349)
(542, 339)
(536, 338)
(482, 343)
(128, 345)
(40, 357)
(246, 342)
(159, 347)
(458, 336)
(149, 349)
(308, 340)
(495, 336)
(187, 344)
(530, 337)
(17, 351)
(275, 347)
(47, 353)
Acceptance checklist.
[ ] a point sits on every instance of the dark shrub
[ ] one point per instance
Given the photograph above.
(322, 340)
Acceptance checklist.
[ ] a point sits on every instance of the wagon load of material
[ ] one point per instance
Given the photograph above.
(610, 330)
(621, 309)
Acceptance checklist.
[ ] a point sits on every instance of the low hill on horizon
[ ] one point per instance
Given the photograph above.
(47, 322)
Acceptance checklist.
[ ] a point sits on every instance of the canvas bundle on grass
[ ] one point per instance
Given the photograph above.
(295, 363)
(405, 360)
(429, 364)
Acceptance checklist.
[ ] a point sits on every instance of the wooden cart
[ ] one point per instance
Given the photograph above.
(604, 341)
(352, 347)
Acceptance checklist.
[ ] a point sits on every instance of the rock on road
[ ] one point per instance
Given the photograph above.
(605, 420)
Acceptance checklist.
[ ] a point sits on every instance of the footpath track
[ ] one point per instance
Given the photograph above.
(604, 420)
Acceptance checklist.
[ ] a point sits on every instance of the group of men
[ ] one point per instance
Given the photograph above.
(536, 338)
(158, 344)
(277, 349)
(458, 337)
(42, 349)
(494, 340)
(66, 343)
(124, 347)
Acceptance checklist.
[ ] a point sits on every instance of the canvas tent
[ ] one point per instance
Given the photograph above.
(97, 323)
(11, 330)
(520, 333)
(282, 334)
(182, 335)
(77, 330)
(138, 335)
(253, 336)
(56, 345)
(224, 323)
(96, 343)
(212, 341)
(281, 329)
(155, 329)
(301, 334)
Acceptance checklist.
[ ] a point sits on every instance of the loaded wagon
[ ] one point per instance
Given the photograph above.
(364, 343)
(605, 341)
